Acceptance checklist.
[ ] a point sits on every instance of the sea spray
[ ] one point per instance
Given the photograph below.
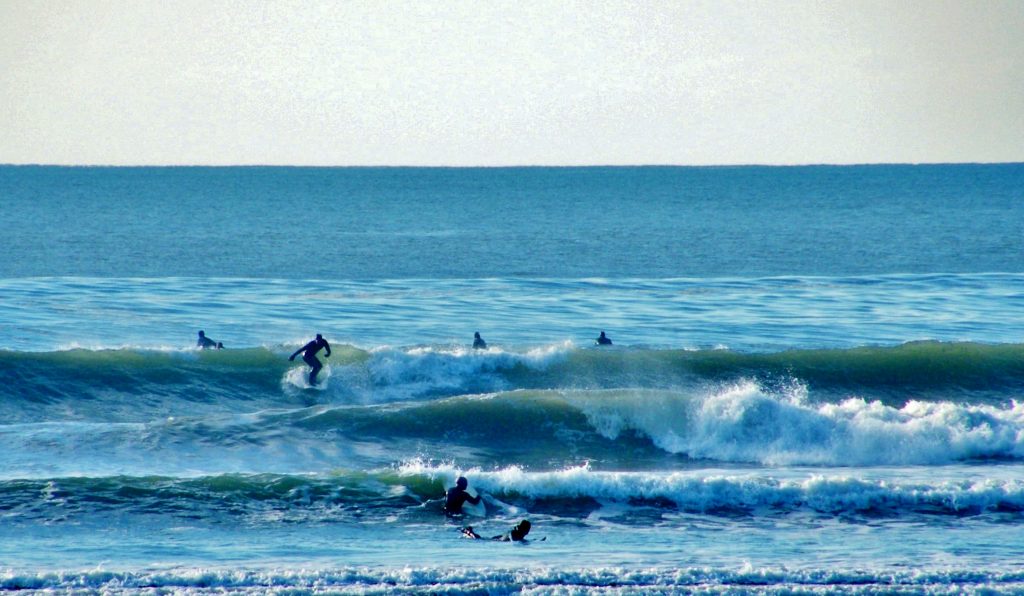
(720, 490)
(746, 423)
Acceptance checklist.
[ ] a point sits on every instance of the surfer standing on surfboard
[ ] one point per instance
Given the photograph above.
(309, 355)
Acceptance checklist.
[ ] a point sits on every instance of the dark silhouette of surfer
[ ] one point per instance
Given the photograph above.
(309, 355)
(478, 342)
(516, 534)
(457, 496)
(604, 340)
(205, 343)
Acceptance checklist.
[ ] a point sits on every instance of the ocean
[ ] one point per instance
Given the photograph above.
(814, 387)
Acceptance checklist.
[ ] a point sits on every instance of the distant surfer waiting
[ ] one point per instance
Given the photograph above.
(205, 343)
(309, 355)
(604, 340)
(457, 496)
(478, 342)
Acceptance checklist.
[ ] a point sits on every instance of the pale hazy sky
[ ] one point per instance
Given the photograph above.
(510, 83)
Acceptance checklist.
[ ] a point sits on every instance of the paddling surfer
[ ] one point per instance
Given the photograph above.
(205, 343)
(516, 534)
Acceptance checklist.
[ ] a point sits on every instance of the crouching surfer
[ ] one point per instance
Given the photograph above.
(309, 355)
(516, 534)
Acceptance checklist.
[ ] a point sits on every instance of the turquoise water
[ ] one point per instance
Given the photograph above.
(814, 388)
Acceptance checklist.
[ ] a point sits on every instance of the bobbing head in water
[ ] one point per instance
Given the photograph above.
(520, 531)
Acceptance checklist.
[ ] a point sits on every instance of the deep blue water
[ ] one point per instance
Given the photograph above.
(815, 385)
(384, 223)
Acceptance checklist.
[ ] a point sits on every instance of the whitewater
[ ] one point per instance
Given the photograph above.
(799, 426)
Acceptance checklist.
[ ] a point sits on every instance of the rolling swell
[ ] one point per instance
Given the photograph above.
(734, 423)
(608, 429)
(741, 423)
(239, 408)
(414, 491)
(129, 384)
(937, 368)
(918, 370)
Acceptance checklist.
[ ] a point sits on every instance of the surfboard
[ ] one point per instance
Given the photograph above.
(478, 510)
(299, 377)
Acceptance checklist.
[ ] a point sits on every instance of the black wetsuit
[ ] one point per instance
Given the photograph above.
(455, 498)
(309, 356)
(517, 534)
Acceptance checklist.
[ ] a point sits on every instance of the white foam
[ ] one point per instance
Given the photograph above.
(745, 423)
(708, 490)
(394, 374)
(532, 579)
(299, 377)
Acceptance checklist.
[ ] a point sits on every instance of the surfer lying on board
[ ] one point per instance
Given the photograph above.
(516, 534)
(309, 355)
(457, 497)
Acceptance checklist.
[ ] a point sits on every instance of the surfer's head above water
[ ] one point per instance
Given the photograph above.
(520, 531)
(457, 496)
(309, 351)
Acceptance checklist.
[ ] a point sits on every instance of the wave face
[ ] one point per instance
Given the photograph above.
(158, 412)
(928, 370)
(412, 491)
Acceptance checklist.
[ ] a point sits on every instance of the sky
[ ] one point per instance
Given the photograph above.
(489, 83)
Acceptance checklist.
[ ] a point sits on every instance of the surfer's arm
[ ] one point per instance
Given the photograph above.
(297, 352)
(327, 349)
(474, 500)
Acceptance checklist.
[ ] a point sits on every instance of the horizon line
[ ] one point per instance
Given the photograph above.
(504, 166)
